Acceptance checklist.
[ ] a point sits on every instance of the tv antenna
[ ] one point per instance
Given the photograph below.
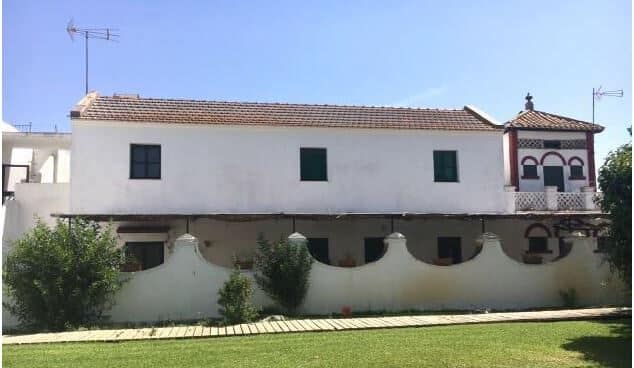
(107, 34)
(598, 93)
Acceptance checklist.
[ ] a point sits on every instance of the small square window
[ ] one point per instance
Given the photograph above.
(313, 164)
(145, 161)
(530, 172)
(556, 144)
(445, 166)
(374, 249)
(538, 244)
(142, 255)
(450, 247)
(318, 248)
(576, 172)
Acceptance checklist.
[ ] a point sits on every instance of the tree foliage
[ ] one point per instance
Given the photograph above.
(283, 272)
(235, 299)
(58, 278)
(615, 181)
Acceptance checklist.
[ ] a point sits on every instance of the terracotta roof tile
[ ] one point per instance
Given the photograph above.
(539, 120)
(135, 109)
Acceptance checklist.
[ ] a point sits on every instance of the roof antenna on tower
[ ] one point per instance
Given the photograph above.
(529, 104)
(99, 33)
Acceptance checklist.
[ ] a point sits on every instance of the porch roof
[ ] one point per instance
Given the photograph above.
(238, 217)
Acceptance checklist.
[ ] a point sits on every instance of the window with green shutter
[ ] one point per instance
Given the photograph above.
(313, 164)
(445, 166)
(145, 161)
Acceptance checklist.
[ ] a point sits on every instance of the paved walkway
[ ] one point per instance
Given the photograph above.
(304, 325)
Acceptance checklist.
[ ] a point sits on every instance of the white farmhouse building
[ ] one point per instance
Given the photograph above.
(345, 178)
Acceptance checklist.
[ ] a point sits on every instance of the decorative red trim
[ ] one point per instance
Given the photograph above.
(563, 160)
(526, 158)
(536, 226)
(575, 158)
(592, 176)
(513, 158)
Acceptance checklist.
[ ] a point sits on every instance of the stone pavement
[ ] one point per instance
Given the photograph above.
(305, 325)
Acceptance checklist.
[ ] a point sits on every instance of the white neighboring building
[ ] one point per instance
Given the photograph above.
(343, 176)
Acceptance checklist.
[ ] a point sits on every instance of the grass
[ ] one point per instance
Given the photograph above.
(555, 344)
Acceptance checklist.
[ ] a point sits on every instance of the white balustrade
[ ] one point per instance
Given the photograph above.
(530, 201)
(571, 201)
(551, 200)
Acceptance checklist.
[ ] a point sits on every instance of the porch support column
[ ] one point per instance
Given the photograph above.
(509, 197)
(588, 200)
(551, 197)
(489, 240)
(297, 239)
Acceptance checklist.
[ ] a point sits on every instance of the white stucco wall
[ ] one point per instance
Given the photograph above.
(31, 199)
(186, 286)
(537, 185)
(47, 154)
(506, 158)
(250, 169)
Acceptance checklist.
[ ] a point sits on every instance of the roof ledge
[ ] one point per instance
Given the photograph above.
(483, 116)
(83, 104)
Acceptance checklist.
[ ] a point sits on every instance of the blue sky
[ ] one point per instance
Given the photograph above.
(421, 53)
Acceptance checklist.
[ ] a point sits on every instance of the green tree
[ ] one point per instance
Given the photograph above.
(283, 272)
(60, 278)
(234, 301)
(615, 181)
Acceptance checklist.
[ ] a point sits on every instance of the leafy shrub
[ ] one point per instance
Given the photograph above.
(569, 297)
(59, 278)
(283, 271)
(615, 181)
(234, 301)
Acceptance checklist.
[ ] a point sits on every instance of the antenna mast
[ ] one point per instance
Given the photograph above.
(107, 34)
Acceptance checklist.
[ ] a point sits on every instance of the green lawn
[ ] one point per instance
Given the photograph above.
(554, 344)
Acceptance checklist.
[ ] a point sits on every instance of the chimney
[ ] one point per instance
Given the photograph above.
(529, 104)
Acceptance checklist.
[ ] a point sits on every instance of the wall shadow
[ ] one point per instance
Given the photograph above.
(606, 351)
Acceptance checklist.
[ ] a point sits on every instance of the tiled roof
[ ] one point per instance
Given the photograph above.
(539, 120)
(154, 110)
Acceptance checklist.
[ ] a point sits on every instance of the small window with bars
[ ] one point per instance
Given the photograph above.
(553, 144)
(576, 172)
(530, 172)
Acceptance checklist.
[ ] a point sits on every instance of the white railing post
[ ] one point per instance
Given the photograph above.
(551, 197)
(588, 200)
(509, 194)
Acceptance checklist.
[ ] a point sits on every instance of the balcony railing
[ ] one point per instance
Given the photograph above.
(551, 200)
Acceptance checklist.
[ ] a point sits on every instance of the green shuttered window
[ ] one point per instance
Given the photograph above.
(313, 164)
(145, 161)
(445, 166)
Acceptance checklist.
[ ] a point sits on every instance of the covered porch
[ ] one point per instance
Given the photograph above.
(351, 240)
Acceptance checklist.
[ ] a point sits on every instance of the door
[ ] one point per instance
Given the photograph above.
(554, 176)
